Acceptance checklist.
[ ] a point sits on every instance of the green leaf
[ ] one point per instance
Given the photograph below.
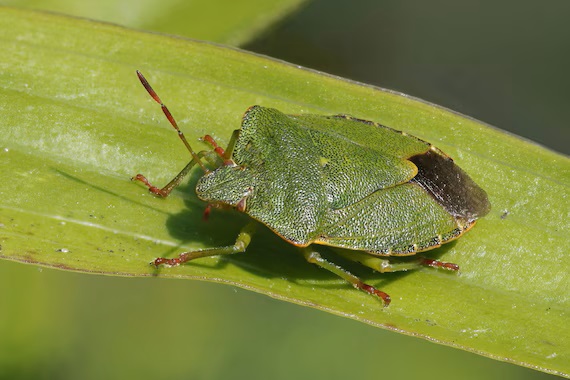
(223, 21)
(76, 125)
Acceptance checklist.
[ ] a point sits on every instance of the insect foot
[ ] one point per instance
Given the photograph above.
(439, 264)
(164, 261)
(372, 290)
(153, 189)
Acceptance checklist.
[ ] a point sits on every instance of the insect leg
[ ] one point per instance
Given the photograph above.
(242, 241)
(315, 258)
(226, 154)
(393, 264)
(211, 157)
(165, 191)
(218, 149)
(231, 144)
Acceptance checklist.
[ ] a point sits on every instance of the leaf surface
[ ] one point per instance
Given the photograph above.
(76, 125)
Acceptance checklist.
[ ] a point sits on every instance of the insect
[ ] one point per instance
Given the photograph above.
(365, 190)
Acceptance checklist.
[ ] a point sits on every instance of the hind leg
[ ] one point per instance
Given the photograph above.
(393, 264)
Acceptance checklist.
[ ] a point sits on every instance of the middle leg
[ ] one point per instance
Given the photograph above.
(314, 257)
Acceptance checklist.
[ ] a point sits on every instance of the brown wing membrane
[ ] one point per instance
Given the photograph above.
(450, 186)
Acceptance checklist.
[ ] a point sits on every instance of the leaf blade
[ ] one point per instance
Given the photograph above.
(76, 125)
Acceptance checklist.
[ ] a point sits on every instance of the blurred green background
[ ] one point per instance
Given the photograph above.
(501, 62)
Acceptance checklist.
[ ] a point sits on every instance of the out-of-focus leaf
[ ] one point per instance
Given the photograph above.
(224, 21)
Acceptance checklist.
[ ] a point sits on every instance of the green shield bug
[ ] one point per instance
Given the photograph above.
(365, 190)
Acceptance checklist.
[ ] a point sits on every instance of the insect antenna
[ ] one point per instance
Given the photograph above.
(170, 118)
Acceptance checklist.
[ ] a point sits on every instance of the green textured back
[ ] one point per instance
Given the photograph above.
(332, 180)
